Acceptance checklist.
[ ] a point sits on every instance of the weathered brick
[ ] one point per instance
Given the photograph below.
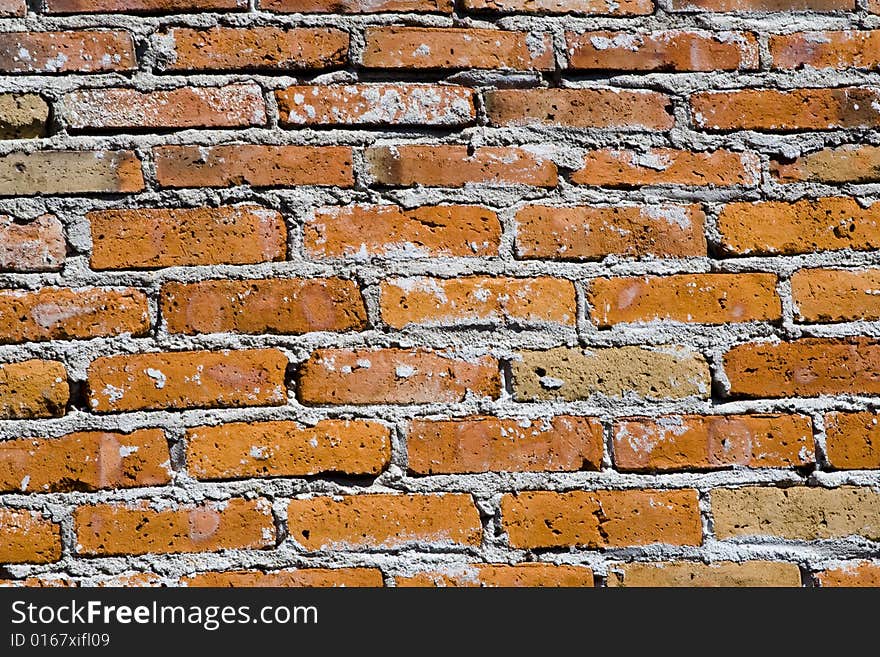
(383, 521)
(13, 8)
(611, 167)
(187, 379)
(355, 6)
(70, 172)
(604, 518)
(33, 389)
(88, 461)
(667, 372)
(852, 440)
(805, 513)
(376, 104)
(37, 245)
(230, 165)
(591, 7)
(395, 376)
(452, 48)
(66, 52)
(690, 298)
(254, 49)
(671, 443)
(491, 575)
(141, 6)
(273, 305)
(852, 163)
(581, 108)
(26, 537)
(54, 313)
(449, 165)
(836, 295)
(693, 574)
(150, 238)
(853, 574)
(287, 449)
(487, 444)
(477, 300)
(846, 49)
(389, 231)
(23, 116)
(669, 50)
(300, 577)
(140, 528)
(762, 6)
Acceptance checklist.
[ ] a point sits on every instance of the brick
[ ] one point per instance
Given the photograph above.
(26, 537)
(255, 49)
(808, 367)
(85, 461)
(847, 49)
(23, 116)
(139, 528)
(141, 6)
(847, 164)
(492, 575)
(580, 108)
(54, 313)
(384, 521)
(70, 172)
(187, 379)
(789, 110)
(376, 105)
(356, 6)
(762, 6)
(590, 7)
(33, 389)
(806, 226)
(570, 374)
(389, 231)
(489, 444)
(66, 52)
(836, 295)
(13, 8)
(700, 442)
(477, 300)
(37, 245)
(257, 165)
(454, 48)
(669, 50)
(592, 233)
(151, 238)
(689, 298)
(299, 577)
(796, 513)
(274, 305)
(853, 574)
(852, 441)
(611, 167)
(450, 165)
(693, 574)
(395, 376)
(287, 449)
(237, 105)
(598, 519)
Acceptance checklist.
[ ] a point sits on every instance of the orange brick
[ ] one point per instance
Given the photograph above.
(836, 295)
(580, 108)
(667, 166)
(187, 379)
(141, 6)
(395, 376)
(139, 528)
(477, 300)
(691, 574)
(35, 246)
(605, 518)
(594, 7)
(848, 49)
(852, 163)
(300, 577)
(672, 443)
(592, 233)
(794, 109)
(253, 164)
(376, 104)
(364, 231)
(13, 8)
(670, 50)
(238, 105)
(70, 172)
(853, 574)
(33, 389)
(852, 441)
(287, 449)
(384, 521)
(54, 313)
(491, 575)
(66, 52)
(151, 238)
(762, 5)
(690, 298)
(88, 461)
(433, 47)
(450, 165)
(26, 537)
(487, 444)
(261, 48)
(274, 305)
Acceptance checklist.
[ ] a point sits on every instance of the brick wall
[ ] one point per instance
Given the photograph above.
(414, 292)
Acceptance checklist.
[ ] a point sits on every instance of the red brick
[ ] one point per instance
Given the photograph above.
(70, 172)
(762, 5)
(590, 7)
(852, 441)
(849, 49)
(141, 6)
(300, 577)
(13, 8)
(492, 575)
(853, 163)
(852, 574)
(33, 389)
(836, 295)
(66, 52)
(35, 246)
(27, 537)
(355, 6)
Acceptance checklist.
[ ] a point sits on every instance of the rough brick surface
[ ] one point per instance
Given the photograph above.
(66, 52)
(836, 295)
(857, 574)
(852, 440)
(27, 537)
(37, 245)
(853, 163)
(70, 172)
(685, 574)
(492, 575)
(23, 116)
(33, 388)
(305, 577)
